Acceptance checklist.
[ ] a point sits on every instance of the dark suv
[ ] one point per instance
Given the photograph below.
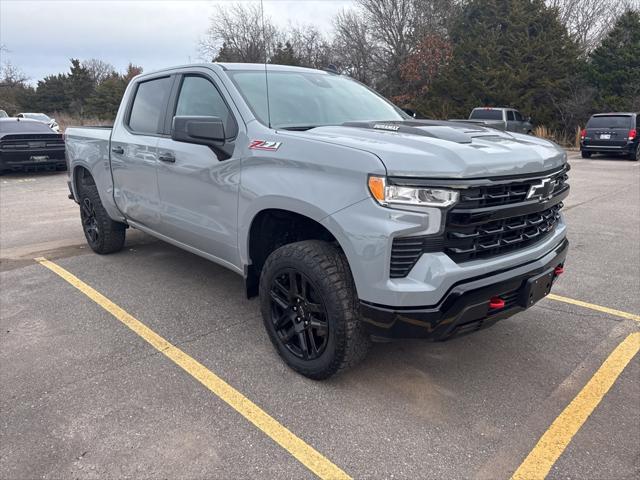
(611, 133)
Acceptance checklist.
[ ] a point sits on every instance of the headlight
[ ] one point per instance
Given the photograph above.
(388, 195)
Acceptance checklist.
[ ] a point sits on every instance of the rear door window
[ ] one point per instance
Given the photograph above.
(510, 116)
(149, 105)
(610, 121)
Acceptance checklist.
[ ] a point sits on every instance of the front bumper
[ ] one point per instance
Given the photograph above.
(465, 308)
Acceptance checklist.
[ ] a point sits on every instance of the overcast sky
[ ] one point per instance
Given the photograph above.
(41, 35)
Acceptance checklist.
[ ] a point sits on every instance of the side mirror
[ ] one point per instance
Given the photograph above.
(199, 130)
(410, 112)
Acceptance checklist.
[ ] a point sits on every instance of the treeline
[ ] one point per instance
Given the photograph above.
(556, 60)
(91, 88)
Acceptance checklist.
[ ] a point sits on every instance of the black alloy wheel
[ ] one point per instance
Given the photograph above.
(89, 221)
(299, 314)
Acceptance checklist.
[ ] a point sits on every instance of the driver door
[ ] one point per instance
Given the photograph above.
(198, 186)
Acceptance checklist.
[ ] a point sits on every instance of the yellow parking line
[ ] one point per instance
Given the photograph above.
(554, 441)
(580, 303)
(303, 452)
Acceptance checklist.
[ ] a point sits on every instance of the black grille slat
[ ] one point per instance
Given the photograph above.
(406, 251)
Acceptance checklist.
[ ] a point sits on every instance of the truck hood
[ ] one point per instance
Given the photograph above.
(444, 149)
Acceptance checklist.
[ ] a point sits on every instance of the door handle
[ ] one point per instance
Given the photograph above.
(167, 157)
(119, 150)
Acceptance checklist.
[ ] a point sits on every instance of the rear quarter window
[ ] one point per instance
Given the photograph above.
(149, 105)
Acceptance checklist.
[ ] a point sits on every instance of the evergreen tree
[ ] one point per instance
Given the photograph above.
(227, 54)
(614, 67)
(79, 86)
(284, 55)
(506, 53)
(52, 94)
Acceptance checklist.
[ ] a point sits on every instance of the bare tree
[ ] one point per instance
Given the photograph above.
(98, 70)
(353, 46)
(381, 34)
(311, 47)
(587, 21)
(12, 76)
(237, 29)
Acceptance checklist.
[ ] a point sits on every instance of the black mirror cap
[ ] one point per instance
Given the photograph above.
(201, 130)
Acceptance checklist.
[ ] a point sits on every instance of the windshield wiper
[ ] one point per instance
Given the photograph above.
(299, 128)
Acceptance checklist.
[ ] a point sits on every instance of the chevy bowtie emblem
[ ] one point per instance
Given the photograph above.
(541, 190)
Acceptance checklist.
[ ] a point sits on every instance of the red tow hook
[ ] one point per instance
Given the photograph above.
(495, 303)
(559, 270)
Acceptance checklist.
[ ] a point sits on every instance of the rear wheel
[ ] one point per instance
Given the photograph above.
(585, 154)
(635, 155)
(310, 309)
(102, 233)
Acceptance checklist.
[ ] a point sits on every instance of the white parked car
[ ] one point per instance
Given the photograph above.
(41, 117)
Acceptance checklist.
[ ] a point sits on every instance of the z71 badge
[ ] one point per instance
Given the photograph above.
(264, 145)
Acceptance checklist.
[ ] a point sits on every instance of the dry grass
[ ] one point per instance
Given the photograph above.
(65, 120)
(566, 140)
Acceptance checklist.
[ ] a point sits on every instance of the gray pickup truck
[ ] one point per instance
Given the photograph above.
(507, 119)
(352, 221)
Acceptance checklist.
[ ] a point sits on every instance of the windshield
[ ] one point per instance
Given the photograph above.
(308, 99)
(37, 116)
(486, 114)
(610, 121)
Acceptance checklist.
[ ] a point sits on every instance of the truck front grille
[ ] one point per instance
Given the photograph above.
(493, 217)
(494, 238)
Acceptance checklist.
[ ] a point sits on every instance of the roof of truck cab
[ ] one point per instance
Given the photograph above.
(270, 66)
(234, 67)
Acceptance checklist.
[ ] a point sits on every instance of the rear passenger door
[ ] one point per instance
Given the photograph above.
(134, 151)
(198, 184)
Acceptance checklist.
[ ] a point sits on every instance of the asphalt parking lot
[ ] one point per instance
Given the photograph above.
(84, 396)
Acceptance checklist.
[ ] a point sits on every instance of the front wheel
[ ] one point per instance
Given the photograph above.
(102, 233)
(310, 308)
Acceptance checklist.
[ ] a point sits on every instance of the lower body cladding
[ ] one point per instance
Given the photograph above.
(471, 305)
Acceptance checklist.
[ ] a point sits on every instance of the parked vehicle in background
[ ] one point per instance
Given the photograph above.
(3, 114)
(29, 145)
(508, 119)
(41, 117)
(608, 133)
(350, 219)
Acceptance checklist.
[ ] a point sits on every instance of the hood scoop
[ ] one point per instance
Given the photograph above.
(425, 128)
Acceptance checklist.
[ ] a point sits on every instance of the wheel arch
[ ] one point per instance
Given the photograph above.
(272, 227)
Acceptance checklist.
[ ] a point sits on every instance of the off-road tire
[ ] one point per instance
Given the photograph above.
(326, 266)
(110, 234)
(585, 154)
